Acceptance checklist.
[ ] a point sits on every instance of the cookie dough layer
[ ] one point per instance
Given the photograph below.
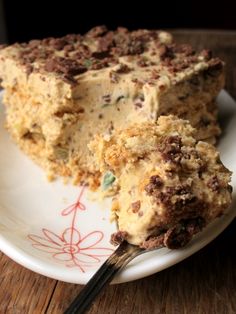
(60, 92)
(170, 185)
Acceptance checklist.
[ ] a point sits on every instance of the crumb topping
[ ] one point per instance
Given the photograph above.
(74, 54)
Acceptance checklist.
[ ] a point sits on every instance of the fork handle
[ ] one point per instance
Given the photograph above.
(120, 257)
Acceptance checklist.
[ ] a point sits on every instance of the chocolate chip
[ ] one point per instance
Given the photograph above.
(97, 31)
(119, 98)
(58, 43)
(128, 44)
(153, 242)
(106, 42)
(166, 52)
(182, 193)
(215, 67)
(68, 67)
(69, 47)
(214, 184)
(195, 225)
(69, 79)
(138, 105)
(142, 63)
(155, 75)
(100, 54)
(155, 183)
(176, 237)
(207, 54)
(123, 68)
(135, 206)
(118, 237)
(107, 98)
(50, 65)
(170, 148)
(186, 49)
(110, 127)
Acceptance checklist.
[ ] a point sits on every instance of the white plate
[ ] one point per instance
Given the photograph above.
(58, 231)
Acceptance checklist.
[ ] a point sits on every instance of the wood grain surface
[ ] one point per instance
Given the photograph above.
(205, 283)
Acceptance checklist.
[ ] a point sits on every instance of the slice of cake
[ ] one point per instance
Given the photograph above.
(169, 184)
(60, 92)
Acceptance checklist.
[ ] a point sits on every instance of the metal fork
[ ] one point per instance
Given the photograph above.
(120, 258)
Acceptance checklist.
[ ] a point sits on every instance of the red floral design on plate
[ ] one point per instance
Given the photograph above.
(70, 246)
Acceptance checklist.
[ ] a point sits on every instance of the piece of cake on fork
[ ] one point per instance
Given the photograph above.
(168, 185)
(59, 92)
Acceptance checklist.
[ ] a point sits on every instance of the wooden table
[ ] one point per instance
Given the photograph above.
(204, 283)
